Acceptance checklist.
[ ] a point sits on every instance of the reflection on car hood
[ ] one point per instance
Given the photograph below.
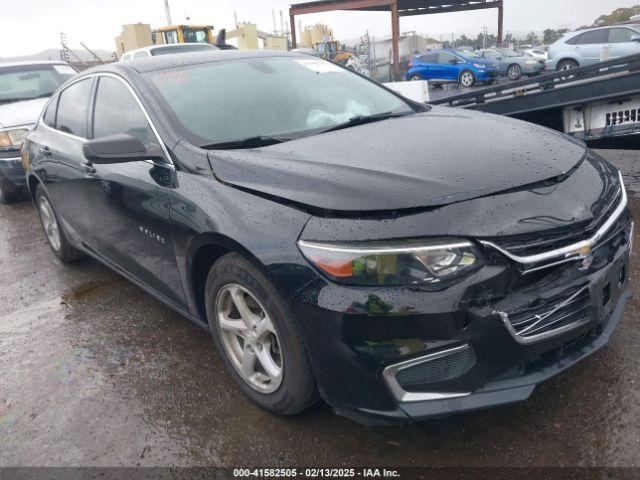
(21, 113)
(423, 160)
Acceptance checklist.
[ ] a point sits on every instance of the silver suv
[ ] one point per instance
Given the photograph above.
(585, 47)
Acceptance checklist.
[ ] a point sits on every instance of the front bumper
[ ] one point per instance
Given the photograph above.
(11, 168)
(487, 74)
(515, 385)
(356, 335)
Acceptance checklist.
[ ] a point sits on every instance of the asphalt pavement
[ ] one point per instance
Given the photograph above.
(94, 371)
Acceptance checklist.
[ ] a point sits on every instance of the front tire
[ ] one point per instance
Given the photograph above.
(467, 79)
(514, 72)
(415, 77)
(259, 340)
(53, 230)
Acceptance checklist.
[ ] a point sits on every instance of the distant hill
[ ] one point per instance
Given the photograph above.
(54, 54)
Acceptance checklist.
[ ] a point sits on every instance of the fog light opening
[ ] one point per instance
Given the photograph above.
(606, 295)
(622, 277)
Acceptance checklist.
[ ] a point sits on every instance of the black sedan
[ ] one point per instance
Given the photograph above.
(399, 261)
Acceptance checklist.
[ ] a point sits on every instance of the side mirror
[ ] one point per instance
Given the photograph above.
(119, 148)
(454, 62)
(635, 38)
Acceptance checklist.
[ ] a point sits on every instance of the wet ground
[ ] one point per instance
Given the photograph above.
(93, 371)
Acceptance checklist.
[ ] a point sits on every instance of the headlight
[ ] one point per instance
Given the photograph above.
(394, 263)
(12, 138)
(479, 65)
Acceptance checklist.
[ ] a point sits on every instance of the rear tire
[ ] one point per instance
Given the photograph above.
(567, 65)
(8, 191)
(53, 230)
(467, 79)
(234, 280)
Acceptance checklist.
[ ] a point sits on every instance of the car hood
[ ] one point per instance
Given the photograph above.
(21, 113)
(425, 160)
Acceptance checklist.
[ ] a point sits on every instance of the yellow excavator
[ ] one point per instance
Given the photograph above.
(184, 34)
(334, 51)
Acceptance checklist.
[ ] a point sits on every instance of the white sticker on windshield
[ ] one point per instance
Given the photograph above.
(64, 69)
(319, 66)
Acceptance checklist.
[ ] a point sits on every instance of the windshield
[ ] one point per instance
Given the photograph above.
(26, 82)
(468, 54)
(276, 96)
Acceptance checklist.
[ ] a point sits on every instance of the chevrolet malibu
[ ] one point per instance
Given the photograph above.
(336, 240)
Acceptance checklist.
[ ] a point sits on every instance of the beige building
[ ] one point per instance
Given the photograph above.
(134, 35)
(315, 34)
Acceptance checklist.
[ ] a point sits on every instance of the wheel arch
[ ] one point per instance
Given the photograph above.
(204, 251)
(567, 59)
(32, 185)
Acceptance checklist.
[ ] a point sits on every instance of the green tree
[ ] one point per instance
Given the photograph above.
(533, 39)
(618, 15)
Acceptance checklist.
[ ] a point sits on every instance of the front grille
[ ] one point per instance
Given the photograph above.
(526, 245)
(438, 369)
(547, 315)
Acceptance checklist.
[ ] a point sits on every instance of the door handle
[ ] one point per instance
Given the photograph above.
(45, 151)
(88, 167)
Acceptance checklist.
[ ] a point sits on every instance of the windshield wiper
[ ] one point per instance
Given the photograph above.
(249, 142)
(362, 119)
(12, 100)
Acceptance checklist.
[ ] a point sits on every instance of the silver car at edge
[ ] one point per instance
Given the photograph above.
(25, 87)
(511, 63)
(587, 46)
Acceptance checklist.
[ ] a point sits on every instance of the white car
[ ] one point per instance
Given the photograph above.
(538, 53)
(154, 50)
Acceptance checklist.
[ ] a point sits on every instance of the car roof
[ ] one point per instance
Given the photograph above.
(27, 63)
(164, 62)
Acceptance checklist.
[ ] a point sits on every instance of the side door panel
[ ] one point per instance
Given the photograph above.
(131, 201)
(61, 162)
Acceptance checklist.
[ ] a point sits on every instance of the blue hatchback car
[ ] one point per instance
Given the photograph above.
(462, 66)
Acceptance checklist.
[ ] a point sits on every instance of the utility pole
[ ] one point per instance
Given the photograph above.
(64, 50)
(167, 12)
(275, 30)
(484, 37)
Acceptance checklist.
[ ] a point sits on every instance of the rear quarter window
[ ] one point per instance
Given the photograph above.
(73, 105)
(49, 117)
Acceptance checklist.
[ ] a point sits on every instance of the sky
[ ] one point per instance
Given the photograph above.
(31, 26)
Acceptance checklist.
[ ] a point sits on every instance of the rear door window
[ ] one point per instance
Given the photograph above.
(73, 107)
(591, 38)
(429, 58)
(116, 111)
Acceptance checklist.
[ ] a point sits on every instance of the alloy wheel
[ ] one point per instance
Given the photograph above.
(514, 72)
(466, 79)
(249, 338)
(49, 223)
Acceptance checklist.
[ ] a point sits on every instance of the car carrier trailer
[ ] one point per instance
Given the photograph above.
(597, 102)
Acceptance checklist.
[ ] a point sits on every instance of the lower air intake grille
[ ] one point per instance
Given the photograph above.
(572, 307)
(438, 369)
